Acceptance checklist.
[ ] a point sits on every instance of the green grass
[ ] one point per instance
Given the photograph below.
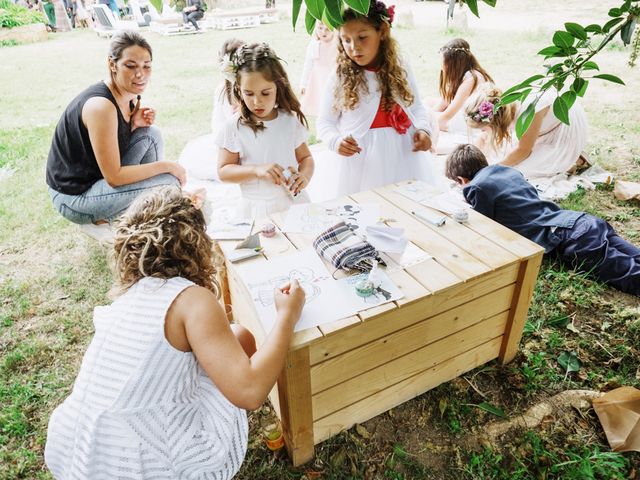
(51, 276)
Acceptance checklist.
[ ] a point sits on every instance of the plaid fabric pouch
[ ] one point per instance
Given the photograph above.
(344, 249)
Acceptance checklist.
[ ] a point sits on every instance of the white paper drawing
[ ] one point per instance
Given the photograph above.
(448, 202)
(322, 291)
(412, 255)
(224, 224)
(314, 218)
(418, 191)
(386, 292)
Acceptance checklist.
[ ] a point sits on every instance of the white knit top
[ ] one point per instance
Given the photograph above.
(140, 409)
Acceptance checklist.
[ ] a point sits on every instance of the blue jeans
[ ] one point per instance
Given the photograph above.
(104, 202)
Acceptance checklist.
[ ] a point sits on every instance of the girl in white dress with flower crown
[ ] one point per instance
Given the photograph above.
(263, 147)
(163, 387)
(372, 116)
(547, 149)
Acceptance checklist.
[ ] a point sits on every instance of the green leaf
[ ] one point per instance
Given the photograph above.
(295, 12)
(524, 120)
(487, 407)
(157, 4)
(611, 23)
(550, 51)
(580, 86)
(589, 65)
(531, 79)
(593, 28)
(509, 98)
(609, 78)
(331, 22)
(442, 406)
(333, 12)
(563, 39)
(576, 30)
(491, 3)
(473, 6)
(615, 12)
(315, 8)
(569, 98)
(627, 31)
(309, 22)
(560, 110)
(360, 6)
(569, 361)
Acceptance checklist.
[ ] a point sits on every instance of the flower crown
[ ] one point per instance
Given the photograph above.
(454, 49)
(385, 13)
(485, 112)
(231, 62)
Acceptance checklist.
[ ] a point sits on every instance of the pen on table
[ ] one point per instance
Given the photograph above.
(433, 219)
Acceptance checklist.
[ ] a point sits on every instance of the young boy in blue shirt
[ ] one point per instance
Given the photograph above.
(585, 242)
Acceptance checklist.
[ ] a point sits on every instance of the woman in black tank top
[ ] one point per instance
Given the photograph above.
(105, 150)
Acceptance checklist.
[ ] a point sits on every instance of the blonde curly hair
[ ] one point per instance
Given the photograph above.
(163, 235)
(502, 118)
(392, 78)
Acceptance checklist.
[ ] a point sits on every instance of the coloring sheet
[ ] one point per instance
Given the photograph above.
(314, 218)
(448, 202)
(418, 191)
(224, 224)
(386, 292)
(305, 266)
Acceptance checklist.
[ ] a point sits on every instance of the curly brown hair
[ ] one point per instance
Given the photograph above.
(392, 78)
(259, 57)
(228, 47)
(502, 117)
(163, 235)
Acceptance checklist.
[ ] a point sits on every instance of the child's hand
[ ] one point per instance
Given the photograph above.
(178, 171)
(272, 172)
(421, 141)
(289, 300)
(297, 182)
(348, 147)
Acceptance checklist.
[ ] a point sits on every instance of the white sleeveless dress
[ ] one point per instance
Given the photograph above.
(140, 409)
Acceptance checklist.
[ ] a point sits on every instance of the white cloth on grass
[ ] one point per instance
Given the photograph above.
(141, 409)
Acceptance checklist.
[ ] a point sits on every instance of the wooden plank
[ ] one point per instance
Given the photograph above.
(395, 371)
(458, 261)
(407, 315)
(519, 307)
(385, 349)
(433, 276)
(480, 247)
(294, 391)
(411, 387)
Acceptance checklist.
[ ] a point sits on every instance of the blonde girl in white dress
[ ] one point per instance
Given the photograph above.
(547, 149)
(263, 147)
(372, 117)
(163, 387)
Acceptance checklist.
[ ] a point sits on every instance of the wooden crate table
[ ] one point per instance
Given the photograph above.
(462, 308)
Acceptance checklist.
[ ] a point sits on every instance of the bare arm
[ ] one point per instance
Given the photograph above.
(462, 94)
(306, 166)
(230, 170)
(100, 117)
(525, 145)
(244, 381)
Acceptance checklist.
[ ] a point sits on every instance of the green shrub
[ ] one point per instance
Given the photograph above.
(15, 16)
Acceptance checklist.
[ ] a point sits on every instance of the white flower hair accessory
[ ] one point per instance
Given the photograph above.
(228, 68)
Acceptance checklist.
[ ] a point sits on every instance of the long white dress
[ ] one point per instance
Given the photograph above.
(386, 156)
(141, 409)
(558, 145)
(277, 142)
